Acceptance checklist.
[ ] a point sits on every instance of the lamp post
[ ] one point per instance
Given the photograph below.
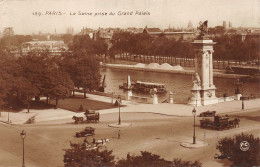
(242, 86)
(194, 114)
(10, 108)
(237, 83)
(240, 83)
(23, 134)
(119, 102)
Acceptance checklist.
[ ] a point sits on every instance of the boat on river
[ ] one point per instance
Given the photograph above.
(144, 87)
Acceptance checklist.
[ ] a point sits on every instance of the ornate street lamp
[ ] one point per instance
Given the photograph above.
(240, 83)
(242, 86)
(237, 83)
(194, 114)
(119, 102)
(23, 135)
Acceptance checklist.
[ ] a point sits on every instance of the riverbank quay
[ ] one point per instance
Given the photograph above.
(185, 71)
(178, 110)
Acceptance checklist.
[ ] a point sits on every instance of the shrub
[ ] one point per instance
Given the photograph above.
(78, 156)
(80, 108)
(230, 148)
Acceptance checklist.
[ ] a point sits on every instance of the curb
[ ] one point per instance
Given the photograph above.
(116, 125)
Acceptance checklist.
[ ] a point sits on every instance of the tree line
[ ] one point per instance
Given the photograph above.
(135, 45)
(41, 75)
(231, 148)
(228, 48)
(78, 156)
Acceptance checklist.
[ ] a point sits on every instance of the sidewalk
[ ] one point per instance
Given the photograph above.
(183, 110)
(180, 110)
(40, 116)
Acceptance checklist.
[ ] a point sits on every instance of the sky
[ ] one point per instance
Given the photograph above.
(21, 14)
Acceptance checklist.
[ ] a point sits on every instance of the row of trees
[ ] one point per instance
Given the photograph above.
(78, 156)
(232, 149)
(39, 74)
(32, 76)
(142, 44)
(228, 47)
(231, 47)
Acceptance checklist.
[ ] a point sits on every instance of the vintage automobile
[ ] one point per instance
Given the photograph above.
(219, 122)
(208, 114)
(88, 131)
(92, 116)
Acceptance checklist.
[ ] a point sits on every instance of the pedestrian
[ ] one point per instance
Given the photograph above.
(128, 156)
(94, 140)
(118, 135)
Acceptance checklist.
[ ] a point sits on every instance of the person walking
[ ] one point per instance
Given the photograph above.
(118, 134)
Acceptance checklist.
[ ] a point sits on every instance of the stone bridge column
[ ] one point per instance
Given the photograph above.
(204, 93)
(210, 68)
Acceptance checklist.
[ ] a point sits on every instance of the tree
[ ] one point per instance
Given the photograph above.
(230, 148)
(153, 160)
(60, 85)
(87, 74)
(181, 163)
(24, 91)
(15, 90)
(36, 69)
(122, 42)
(44, 74)
(67, 38)
(78, 156)
(83, 70)
(4, 86)
(82, 65)
(145, 159)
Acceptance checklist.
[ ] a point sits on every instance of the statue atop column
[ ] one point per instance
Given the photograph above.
(203, 28)
(203, 90)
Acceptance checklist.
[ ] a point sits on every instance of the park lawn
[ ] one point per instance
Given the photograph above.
(73, 104)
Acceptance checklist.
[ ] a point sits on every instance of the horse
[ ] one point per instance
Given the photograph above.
(236, 122)
(102, 141)
(77, 119)
(231, 123)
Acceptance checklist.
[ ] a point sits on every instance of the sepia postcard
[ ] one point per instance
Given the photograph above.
(129, 83)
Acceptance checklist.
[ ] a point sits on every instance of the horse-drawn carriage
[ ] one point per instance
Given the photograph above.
(208, 114)
(219, 122)
(88, 131)
(91, 116)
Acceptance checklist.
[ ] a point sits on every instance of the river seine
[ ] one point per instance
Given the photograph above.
(179, 84)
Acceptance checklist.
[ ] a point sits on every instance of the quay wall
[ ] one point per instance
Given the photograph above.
(185, 72)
